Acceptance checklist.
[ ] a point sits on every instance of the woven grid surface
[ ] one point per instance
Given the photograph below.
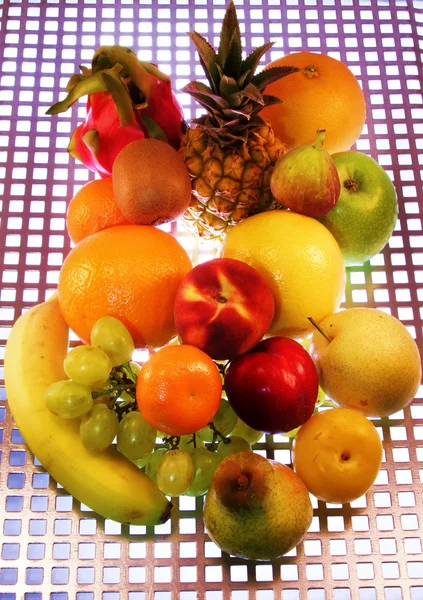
(53, 548)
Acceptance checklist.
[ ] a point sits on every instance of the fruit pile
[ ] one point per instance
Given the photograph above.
(248, 343)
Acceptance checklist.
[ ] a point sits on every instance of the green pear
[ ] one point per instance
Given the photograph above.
(367, 360)
(256, 508)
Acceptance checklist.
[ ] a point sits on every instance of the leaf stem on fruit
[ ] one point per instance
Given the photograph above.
(321, 134)
(319, 329)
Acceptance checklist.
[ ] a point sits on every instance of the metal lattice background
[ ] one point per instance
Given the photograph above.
(51, 546)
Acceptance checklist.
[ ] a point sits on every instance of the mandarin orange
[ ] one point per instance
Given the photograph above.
(92, 209)
(130, 272)
(323, 94)
(179, 390)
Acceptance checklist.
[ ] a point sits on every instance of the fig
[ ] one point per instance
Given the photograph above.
(306, 180)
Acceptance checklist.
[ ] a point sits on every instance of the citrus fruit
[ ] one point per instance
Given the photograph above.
(92, 209)
(130, 272)
(299, 259)
(179, 389)
(323, 94)
(151, 183)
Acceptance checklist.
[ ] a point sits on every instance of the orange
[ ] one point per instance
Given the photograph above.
(324, 94)
(130, 272)
(92, 209)
(179, 390)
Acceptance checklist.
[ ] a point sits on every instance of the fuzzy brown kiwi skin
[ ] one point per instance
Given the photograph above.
(151, 183)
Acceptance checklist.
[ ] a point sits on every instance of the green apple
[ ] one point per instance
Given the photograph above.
(363, 219)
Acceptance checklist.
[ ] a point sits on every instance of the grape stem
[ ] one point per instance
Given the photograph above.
(124, 387)
(172, 441)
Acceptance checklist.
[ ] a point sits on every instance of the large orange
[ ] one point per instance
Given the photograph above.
(179, 389)
(92, 209)
(323, 94)
(130, 272)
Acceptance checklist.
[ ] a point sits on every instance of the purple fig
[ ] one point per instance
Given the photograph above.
(306, 180)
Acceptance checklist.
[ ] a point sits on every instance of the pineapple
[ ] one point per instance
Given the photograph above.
(230, 152)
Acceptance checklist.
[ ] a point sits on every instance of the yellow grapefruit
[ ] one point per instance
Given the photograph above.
(300, 260)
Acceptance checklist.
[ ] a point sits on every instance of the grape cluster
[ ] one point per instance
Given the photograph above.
(100, 392)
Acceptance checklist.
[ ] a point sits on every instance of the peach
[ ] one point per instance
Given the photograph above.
(224, 307)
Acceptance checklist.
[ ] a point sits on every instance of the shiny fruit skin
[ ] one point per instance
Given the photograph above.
(337, 454)
(372, 364)
(274, 387)
(366, 213)
(300, 261)
(324, 94)
(224, 307)
(256, 508)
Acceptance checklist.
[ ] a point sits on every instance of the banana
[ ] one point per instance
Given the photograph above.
(106, 482)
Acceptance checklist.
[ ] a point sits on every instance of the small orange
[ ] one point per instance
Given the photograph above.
(130, 272)
(179, 390)
(323, 94)
(92, 209)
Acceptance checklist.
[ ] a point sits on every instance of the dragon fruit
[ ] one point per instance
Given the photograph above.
(128, 100)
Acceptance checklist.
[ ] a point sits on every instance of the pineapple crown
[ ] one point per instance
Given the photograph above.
(235, 96)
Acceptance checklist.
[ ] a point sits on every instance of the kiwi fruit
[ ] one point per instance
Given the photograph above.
(151, 184)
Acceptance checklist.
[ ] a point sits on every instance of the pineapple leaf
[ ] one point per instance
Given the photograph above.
(208, 59)
(233, 62)
(244, 76)
(252, 61)
(203, 94)
(251, 92)
(230, 28)
(269, 100)
(263, 79)
(228, 86)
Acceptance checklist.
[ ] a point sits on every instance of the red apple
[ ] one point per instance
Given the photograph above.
(224, 307)
(274, 387)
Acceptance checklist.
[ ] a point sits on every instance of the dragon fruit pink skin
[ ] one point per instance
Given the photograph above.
(128, 100)
(99, 150)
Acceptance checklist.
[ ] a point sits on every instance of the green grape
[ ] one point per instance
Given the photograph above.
(232, 446)
(246, 432)
(114, 339)
(135, 437)
(87, 365)
(205, 464)
(224, 421)
(141, 462)
(99, 428)
(68, 399)
(186, 443)
(175, 472)
(153, 463)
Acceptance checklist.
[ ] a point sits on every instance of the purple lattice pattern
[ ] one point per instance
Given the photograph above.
(51, 546)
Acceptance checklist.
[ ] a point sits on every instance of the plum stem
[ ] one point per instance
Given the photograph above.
(319, 329)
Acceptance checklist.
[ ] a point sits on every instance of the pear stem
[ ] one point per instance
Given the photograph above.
(319, 329)
(321, 134)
